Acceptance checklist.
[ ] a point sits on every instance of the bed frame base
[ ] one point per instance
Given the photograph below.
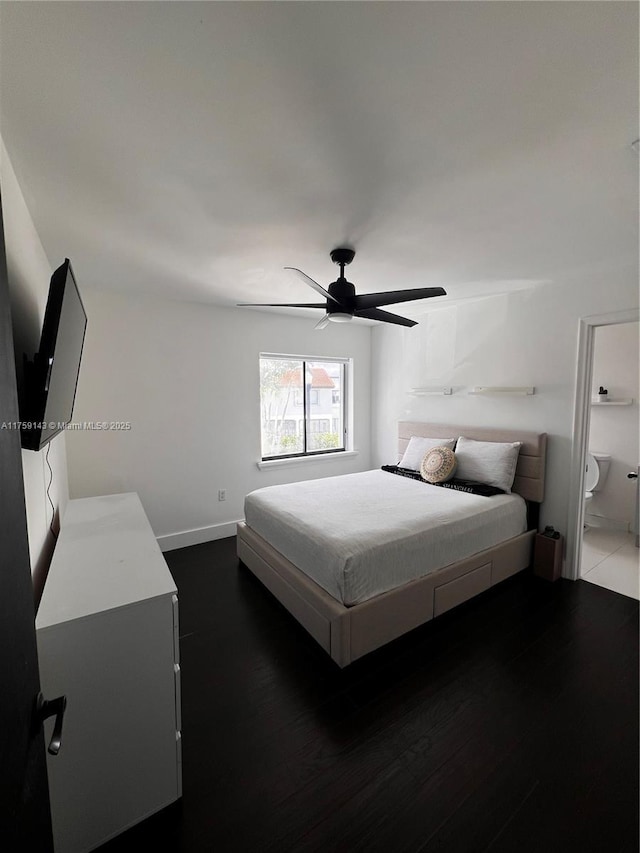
(348, 633)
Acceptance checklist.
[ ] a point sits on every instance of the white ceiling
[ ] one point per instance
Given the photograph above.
(194, 149)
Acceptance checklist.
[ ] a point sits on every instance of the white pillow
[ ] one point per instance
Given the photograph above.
(490, 462)
(419, 447)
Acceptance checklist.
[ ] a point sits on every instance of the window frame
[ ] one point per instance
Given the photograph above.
(346, 378)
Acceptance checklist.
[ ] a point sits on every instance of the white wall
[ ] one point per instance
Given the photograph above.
(187, 378)
(29, 272)
(616, 430)
(528, 337)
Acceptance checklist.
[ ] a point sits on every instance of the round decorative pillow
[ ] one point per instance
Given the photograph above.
(439, 465)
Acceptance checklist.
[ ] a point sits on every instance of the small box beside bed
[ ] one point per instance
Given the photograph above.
(361, 559)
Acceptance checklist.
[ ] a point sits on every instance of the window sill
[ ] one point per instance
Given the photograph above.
(305, 460)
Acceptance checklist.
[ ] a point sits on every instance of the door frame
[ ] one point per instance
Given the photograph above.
(25, 814)
(581, 420)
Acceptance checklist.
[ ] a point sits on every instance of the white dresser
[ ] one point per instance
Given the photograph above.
(107, 630)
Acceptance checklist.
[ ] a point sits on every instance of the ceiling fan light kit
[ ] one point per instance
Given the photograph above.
(342, 303)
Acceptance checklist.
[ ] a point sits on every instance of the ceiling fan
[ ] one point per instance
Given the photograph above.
(342, 303)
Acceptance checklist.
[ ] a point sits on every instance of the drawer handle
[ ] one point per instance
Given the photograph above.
(46, 708)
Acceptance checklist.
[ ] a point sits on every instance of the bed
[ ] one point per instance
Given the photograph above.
(361, 559)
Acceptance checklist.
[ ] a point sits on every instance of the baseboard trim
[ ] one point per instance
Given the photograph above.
(607, 523)
(196, 537)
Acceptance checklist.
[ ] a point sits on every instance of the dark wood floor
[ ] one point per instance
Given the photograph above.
(508, 724)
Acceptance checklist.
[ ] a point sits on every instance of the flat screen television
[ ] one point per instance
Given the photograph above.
(52, 377)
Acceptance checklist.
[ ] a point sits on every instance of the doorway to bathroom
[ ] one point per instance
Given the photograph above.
(610, 512)
(609, 557)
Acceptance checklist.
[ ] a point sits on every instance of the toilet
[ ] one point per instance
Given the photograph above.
(596, 470)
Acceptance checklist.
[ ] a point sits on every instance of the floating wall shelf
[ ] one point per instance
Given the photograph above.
(421, 392)
(504, 391)
(626, 401)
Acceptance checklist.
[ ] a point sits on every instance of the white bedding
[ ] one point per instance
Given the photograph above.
(359, 535)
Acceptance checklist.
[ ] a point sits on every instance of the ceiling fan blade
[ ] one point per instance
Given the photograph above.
(374, 300)
(385, 316)
(281, 304)
(322, 323)
(314, 284)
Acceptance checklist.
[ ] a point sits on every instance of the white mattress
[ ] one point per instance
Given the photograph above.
(359, 535)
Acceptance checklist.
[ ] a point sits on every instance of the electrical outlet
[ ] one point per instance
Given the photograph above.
(222, 494)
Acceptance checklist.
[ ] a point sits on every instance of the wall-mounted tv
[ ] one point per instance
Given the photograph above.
(51, 378)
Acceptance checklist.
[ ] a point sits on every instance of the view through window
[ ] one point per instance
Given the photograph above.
(302, 405)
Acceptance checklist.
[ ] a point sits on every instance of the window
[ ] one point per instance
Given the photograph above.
(298, 398)
(302, 405)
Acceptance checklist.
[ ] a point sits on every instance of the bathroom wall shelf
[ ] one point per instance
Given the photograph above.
(621, 402)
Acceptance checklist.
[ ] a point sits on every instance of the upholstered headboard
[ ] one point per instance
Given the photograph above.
(529, 480)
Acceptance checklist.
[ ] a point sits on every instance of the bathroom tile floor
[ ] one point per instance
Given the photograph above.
(610, 559)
